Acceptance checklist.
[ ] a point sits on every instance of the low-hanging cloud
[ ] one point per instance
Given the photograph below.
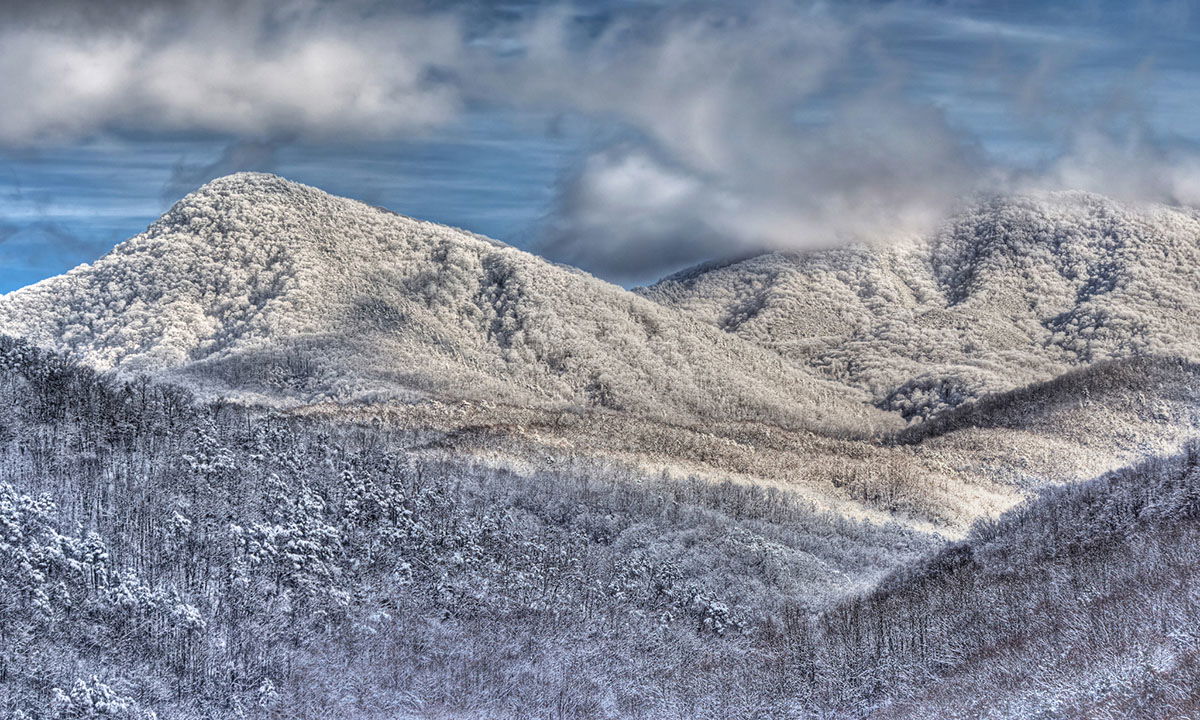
(743, 135)
(1133, 164)
(789, 126)
(731, 127)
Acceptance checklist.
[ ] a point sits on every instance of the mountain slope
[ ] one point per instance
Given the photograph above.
(205, 561)
(1013, 291)
(272, 289)
(1081, 604)
(942, 475)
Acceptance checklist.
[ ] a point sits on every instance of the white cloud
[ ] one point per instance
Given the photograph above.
(1130, 165)
(312, 70)
(716, 148)
(630, 216)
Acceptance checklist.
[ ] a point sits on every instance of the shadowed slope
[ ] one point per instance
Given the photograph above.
(1158, 388)
(1081, 604)
(971, 463)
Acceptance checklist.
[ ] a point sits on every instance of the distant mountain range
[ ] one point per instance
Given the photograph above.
(258, 287)
(265, 291)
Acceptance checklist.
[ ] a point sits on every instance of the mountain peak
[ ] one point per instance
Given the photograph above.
(246, 179)
(250, 186)
(255, 284)
(249, 196)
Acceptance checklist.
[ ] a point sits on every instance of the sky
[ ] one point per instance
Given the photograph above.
(629, 138)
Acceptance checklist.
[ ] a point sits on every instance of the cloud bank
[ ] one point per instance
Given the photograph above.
(722, 127)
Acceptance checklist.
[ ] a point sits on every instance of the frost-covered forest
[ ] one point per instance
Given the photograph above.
(167, 558)
(261, 289)
(210, 561)
(826, 360)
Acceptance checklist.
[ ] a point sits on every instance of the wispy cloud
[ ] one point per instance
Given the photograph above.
(766, 127)
(772, 127)
(256, 155)
(40, 243)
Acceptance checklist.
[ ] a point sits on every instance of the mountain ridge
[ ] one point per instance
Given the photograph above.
(618, 482)
(258, 286)
(1015, 290)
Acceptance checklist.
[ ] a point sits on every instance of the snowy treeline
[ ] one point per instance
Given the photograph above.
(1154, 380)
(160, 557)
(1084, 603)
(266, 290)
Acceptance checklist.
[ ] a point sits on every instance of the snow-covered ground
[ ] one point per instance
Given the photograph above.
(470, 457)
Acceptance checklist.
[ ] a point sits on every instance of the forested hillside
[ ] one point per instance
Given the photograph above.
(212, 561)
(451, 480)
(163, 558)
(941, 475)
(1011, 291)
(1083, 604)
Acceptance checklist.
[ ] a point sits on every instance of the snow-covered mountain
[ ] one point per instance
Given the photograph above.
(258, 286)
(1013, 291)
(610, 479)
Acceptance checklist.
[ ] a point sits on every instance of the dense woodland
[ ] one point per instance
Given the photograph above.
(165, 558)
(211, 561)
(1084, 603)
